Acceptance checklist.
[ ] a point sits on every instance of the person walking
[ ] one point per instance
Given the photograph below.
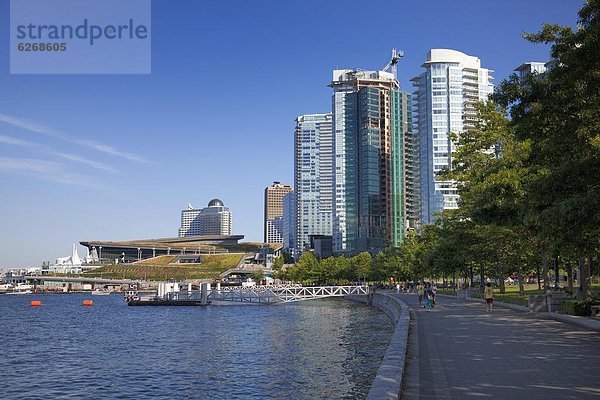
(433, 293)
(428, 295)
(420, 294)
(489, 297)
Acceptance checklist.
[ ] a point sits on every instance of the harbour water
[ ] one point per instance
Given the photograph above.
(317, 349)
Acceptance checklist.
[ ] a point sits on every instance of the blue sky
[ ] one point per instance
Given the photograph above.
(116, 157)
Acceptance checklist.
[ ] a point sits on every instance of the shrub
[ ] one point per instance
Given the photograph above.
(576, 307)
(449, 292)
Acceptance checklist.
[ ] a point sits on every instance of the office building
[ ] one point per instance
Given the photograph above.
(313, 177)
(215, 219)
(273, 216)
(371, 118)
(444, 101)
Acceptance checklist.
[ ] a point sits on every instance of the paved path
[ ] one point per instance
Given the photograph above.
(458, 351)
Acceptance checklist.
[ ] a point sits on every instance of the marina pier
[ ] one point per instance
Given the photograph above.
(173, 294)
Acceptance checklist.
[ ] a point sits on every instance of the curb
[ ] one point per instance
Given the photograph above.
(584, 322)
(573, 319)
(515, 307)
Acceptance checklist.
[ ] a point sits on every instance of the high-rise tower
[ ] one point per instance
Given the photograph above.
(370, 116)
(444, 102)
(313, 177)
(273, 227)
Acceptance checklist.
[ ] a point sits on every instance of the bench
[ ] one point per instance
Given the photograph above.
(595, 310)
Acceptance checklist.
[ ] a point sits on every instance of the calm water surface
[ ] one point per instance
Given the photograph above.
(318, 349)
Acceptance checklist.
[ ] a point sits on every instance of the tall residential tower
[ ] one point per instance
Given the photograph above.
(445, 99)
(273, 228)
(313, 177)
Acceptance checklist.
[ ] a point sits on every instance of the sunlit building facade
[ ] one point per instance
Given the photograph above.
(444, 102)
(371, 117)
(273, 216)
(313, 177)
(215, 219)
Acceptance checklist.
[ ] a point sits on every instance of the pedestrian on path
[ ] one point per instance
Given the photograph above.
(489, 297)
(397, 288)
(433, 293)
(420, 294)
(428, 297)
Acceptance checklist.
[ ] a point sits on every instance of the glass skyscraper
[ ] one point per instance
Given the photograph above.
(445, 99)
(313, 177)
(371, 118)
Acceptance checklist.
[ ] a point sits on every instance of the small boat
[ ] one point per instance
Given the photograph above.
(21, 288)
(101, 292)
(20, 292)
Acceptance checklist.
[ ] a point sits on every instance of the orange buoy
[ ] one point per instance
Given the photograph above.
(88, 303)
(36, 303)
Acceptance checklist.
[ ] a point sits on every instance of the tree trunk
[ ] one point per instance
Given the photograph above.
(585, 284)
(546, 264)
(471, 273)
(481, 278)
(539, 278)
(502, 285)
(569, 268)
(521, 286)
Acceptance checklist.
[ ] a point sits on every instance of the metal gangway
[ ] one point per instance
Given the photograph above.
(283, 293)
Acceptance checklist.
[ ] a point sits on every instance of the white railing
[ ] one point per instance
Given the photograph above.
(284, 293)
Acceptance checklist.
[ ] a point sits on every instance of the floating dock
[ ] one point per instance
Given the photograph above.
(170, 294)
(162, 302)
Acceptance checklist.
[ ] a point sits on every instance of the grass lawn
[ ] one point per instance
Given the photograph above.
(512, 295)
(160, 260)
(210, 268)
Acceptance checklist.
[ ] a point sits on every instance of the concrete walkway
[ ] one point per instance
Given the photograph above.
(458, 351)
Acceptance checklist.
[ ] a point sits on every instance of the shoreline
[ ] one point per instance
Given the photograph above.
(389, 379)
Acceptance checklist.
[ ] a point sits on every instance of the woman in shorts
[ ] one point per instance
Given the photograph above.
(489, 297)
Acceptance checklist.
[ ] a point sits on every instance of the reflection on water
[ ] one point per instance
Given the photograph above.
(315, 349)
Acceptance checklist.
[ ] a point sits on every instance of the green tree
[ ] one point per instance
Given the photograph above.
(559, 115)
(278, 263)
(361, 265)
(258, 276)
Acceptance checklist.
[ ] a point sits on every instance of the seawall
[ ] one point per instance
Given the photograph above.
(388, 382)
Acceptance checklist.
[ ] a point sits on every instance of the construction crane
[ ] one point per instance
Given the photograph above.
(396, 55)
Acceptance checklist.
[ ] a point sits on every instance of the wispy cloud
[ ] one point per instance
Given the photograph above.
(110, 150)
(91, 163)
(29, 125)
(46, 170)
(36, 127)
(48, 150)
(16, 141)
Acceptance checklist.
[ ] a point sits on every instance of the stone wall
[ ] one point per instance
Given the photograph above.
(388, 382)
